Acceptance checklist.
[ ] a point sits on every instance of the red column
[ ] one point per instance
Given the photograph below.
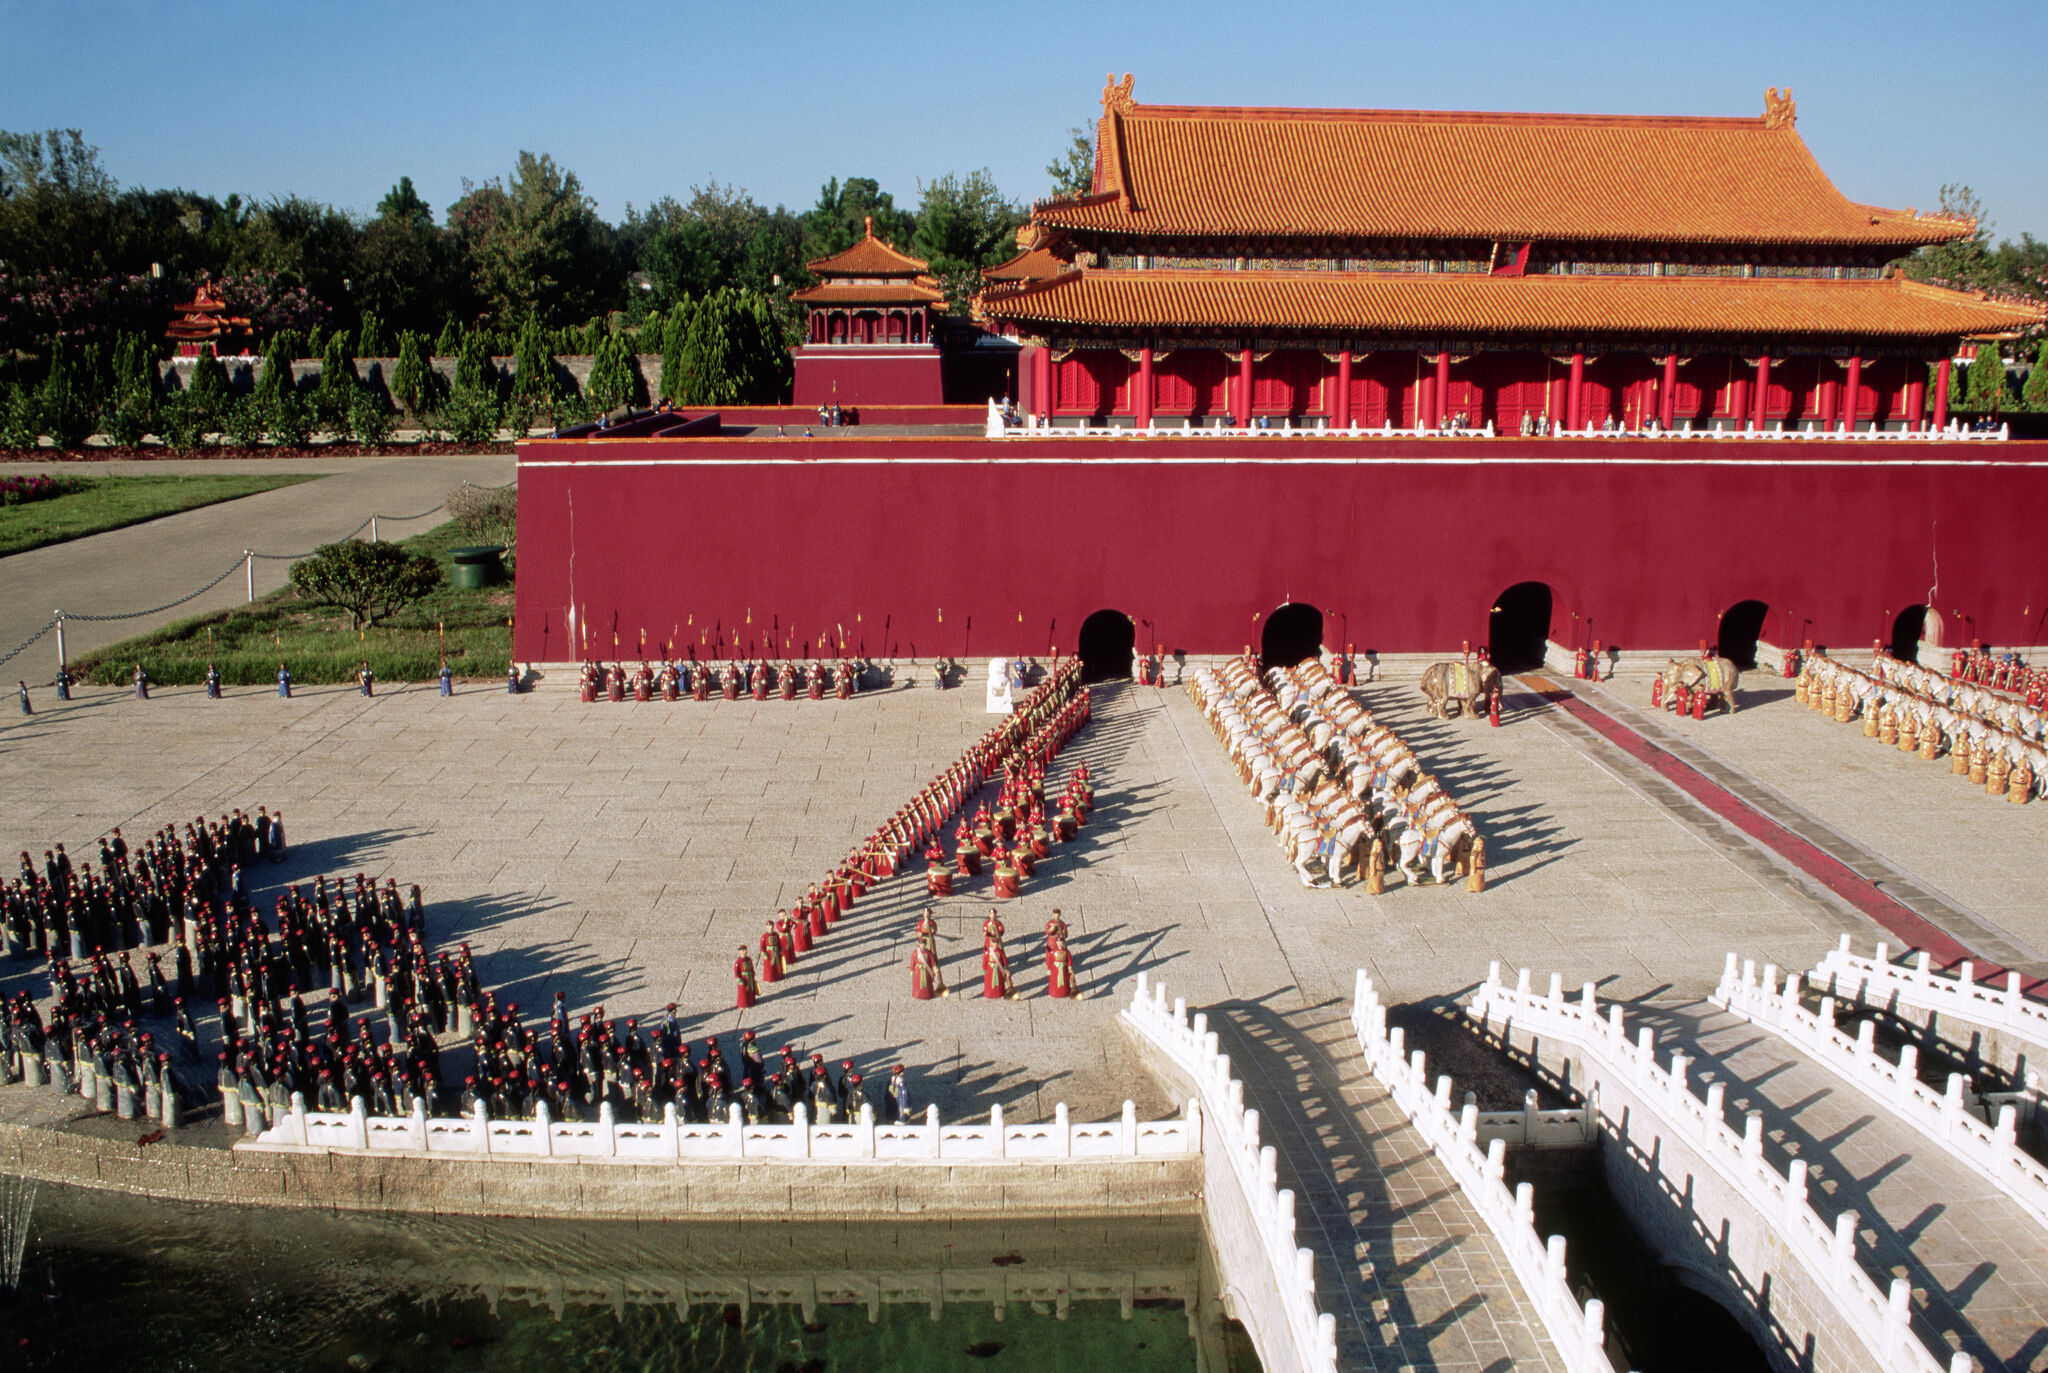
(1667, 394)
(1556, 403)
(1042, 368)
(1143, 405)
(1852, 395)
(1575, 397)
(1241, 408)
(1738, 396)
(1443, 386)
(1941, 371)
(1830, 396)
(1027, 380)
(1763, 393)
(1916, 396)
(1425, 396)
(1340, 408)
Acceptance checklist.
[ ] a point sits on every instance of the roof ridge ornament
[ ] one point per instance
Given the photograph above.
(1779, 111)
(1116, 95)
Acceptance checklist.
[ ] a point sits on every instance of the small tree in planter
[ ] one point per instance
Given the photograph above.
(412, 378)
(335, 396)
(246, 420)
(533, 376)
(364, 579)
(2036, 392)
(370, 340)
(450, 341)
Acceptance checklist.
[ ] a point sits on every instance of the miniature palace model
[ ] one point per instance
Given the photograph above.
(1412, 268)
(1417, 379)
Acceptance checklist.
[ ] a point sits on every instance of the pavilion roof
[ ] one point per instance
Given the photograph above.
(915, 291)
(1212, 171)
(1472, 305)
(1033, 264)
(869, 257)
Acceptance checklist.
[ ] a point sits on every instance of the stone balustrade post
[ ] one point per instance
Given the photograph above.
(1529, 1116)
(1594, 1330)
(1468, 1119)
(1908, 1075)
(736, 1119)
(1525, 1203)
(296, 1132)
(1556, 988)
(481, 1117)
(1553, 1259)
(1898, 1310)
(867, 1126)
(1128, 1134)
(358, 1124)
(1795, 1192)
(931, 1131)
(607, 1131)
(543, 1130)
(1842, 1251)
(1283, 1212)
(1497, 1160)
(1753, 1136)
(1951, 1105)
(419, 1124)
(999, 1139)
(1305, 1271)
(1716, 1107)
(1589, 1001)
(1728, 968)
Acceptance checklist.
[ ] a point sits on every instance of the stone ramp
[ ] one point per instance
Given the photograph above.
(1978, 1267)
(1406, 1266)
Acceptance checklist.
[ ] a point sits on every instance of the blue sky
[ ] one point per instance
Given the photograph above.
(336, 101)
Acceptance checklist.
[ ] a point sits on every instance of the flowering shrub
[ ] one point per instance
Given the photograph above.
(22, 490)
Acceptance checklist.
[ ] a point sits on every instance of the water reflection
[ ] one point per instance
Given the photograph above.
(118, 1281)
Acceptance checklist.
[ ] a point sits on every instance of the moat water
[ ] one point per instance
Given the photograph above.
(119, 1282)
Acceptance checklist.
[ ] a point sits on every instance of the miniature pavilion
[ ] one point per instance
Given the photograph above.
(1418, 268)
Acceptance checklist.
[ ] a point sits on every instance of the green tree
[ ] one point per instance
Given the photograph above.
(611, 376)
(450, 342)
(838, 220)
(370, 339)
(964, 225)
(2036, 392)
(474, 370)
(412, 379)
(1986, 385)
(275, 376)
(535, 243)
(533, 374)
(68, 402)
(364, 579)
(1963, 263)
(674, 381)
(336, 393)
(1073, 171)
(207, 393)
(733, 351)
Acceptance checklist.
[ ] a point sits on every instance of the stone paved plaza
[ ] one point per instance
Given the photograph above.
(620, 853)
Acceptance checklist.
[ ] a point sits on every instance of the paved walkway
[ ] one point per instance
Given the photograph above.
(144, 565)
(619, 853)
(1419, 1282)
(1979, 1268)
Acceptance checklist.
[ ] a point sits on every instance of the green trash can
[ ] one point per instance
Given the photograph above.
(477, 567)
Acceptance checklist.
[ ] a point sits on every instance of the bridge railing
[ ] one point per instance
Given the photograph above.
(1990, 1150)
(1230, 1129)
(1305, 427)
(670, 1140)
(1476, 1156)
(1881, 1321)
(1879, 982)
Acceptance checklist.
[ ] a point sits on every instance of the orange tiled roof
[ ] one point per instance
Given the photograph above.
(870, 257)
(1034, 264)
(1438, 304)
(1215, 171)
(919, 291)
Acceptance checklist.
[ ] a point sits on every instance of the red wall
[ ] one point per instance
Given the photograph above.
(1403, 545)
(898, 375)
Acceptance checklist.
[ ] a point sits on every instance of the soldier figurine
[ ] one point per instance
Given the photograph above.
(447, 680)
(212, 682)
(746, 989)
(996, 982)
(64, 681)
(926, 981)
(1060, 965)
(511, 679)
(366, 680)
(786, 675)
(896, 1098)
(21, 690)
(814, 675)
(141, 683)
(284, 683)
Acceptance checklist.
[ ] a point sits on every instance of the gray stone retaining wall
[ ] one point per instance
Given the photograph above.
(611, 1191)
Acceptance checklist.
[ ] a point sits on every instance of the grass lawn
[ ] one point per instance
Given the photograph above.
(111, 502)
(317, 644)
